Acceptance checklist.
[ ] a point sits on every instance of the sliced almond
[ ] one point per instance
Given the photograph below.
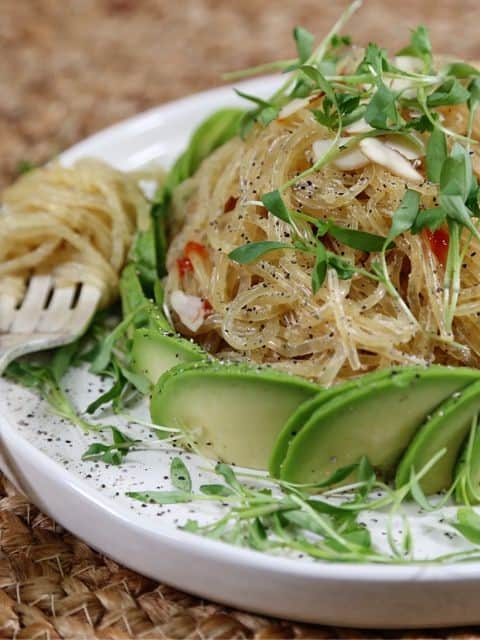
(190, 309)
(347, 160)
(411, 147)
(292, 107)
(296, 105)
(387, 157)
(409, 64)
(359, 126)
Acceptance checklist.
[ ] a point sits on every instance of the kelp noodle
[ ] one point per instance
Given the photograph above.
(265, 312)
(76, 223)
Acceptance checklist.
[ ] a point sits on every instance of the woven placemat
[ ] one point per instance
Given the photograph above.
(67, 69)
(54, 586)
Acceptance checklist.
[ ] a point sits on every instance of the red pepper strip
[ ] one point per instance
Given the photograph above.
(207, 307)
(195, 247)
(438, 241)
(184, 266)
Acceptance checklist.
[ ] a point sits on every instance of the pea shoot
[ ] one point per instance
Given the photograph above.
(322, 521)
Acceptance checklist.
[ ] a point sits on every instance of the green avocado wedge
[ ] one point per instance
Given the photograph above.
(377, 421)
(467, 470)
(154, 352)
(229, 412)
(447, 428)
(300, 417)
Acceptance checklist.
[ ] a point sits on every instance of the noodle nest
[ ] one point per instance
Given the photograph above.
(265, 312)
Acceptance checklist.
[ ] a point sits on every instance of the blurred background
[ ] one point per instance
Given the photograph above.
(71, 67)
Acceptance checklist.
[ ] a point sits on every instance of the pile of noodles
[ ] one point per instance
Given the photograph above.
(265, 312)
(76, 223)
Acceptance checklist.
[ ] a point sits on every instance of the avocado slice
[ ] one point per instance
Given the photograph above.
(300, 417)
(447, 428)
(467, 471)
(154, 352)
(230, 412)
(377, 421)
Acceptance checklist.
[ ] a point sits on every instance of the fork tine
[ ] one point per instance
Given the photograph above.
(36, 326)
(7, 311)
(85, 307)
(57, 315)
(27, 317)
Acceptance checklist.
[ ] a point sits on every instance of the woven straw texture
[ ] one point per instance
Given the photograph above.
(67, 69)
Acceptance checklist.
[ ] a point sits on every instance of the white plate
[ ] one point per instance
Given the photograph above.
(42, 455)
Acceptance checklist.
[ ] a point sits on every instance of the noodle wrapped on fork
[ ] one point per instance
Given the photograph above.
(76, 222)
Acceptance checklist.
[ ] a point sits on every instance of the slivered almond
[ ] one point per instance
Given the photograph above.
(292, 107)
(410, 148)
(347, 160)
(359, 126)
(395, 162)
(296, 105)
(190, 309)
(409, 64)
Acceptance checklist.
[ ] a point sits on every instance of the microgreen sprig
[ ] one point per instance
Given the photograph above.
(269, 515)
(46, 380)
(313, 244)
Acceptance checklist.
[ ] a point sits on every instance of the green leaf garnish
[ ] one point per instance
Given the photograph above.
(161, 497)
(404, 217)
(382, 111)
(457, 210)
(468, 524)
(229, 476)
(436, 153)
(320, 268)
(180, 476)
(474, 91)
(429, 219)
(355, 239)
(461, 70)
(43, 379)
(104, 355)
(337, 41)
(344, 110)
(252, 251)
(304, 41)
(374, 58)
(450, 92)
(216, 490)
(274, 203)
(113, 453)
(344, 269)
(267, 115)
(419, 47)
(320, 81)
(109, 395)
(417, 492)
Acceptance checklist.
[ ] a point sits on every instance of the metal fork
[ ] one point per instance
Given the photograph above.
(47, 317)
